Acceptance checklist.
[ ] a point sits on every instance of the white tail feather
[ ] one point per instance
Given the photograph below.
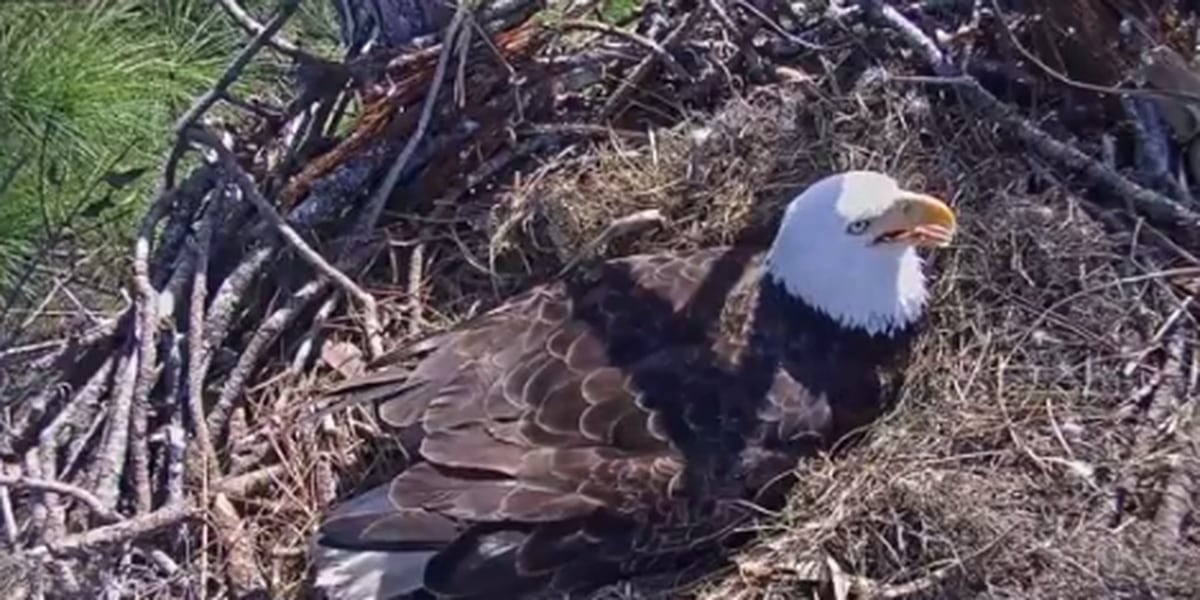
(361, 575)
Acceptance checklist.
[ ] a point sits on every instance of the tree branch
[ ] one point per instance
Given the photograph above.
(1155, 206)
(370, 309)
(206, 100)
(46, 485)
(247, 21)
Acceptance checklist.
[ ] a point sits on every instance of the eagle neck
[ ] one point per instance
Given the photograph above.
(797, 325)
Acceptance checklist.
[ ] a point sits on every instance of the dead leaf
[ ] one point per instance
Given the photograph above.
(343, 357)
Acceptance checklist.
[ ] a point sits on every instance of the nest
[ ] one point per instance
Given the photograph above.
(1044, 447)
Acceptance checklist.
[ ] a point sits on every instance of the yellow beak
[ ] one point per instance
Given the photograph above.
(915, 219)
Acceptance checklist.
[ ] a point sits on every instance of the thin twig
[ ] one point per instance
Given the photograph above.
(370, 308)
(122, 531)
(247, 21)
(47, 485)
(631, 36)
(374, 207)
(643, 69)
(236, 66)
(111, 459)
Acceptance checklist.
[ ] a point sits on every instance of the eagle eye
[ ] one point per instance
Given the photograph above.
(857, 227)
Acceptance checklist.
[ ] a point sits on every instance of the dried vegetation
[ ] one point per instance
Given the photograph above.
(1046, 447)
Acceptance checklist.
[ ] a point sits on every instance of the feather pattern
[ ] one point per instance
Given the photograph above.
(605, 424)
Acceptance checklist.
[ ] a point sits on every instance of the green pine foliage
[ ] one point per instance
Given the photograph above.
(89, 90)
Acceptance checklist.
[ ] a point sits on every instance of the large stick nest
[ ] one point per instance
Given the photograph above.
(1045, 448)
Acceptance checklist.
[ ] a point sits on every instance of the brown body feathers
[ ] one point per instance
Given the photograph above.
(604, 425)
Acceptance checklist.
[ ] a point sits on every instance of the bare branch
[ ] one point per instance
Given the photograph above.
(370, 309)
(198, 352)
(111, 460)
(374, 207)
(206, 100)
(643, 69)
(251, 25)
(58, 487)
(123, 531)
(631, 36)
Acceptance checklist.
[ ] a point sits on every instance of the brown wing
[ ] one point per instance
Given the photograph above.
(539, 443)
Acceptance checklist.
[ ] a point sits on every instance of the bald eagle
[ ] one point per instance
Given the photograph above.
(618, 421)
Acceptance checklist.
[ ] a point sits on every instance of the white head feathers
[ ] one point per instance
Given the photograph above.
(847, 247)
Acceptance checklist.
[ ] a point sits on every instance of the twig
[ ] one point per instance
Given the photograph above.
(235, 68)
(268, 330)
(174, 437)
(49, 438)
(416, 304)
(246, 483)
(6, 515)
(370, 309)
(1176, 500)
(102, 331)
(633, 223)
(1154, 205)
(39, 512)
(374, 207)
(581, 129)
(58, 487)
(139, 454)
(144, 359)
(248, 359)
(111, 459)
(42, 346)
(240, 567)
(643, 69)
(198, 352)
(123, 531)
(251, 25)
(631, 36)
(231, 291)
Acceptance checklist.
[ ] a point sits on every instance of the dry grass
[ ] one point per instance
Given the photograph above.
(1019, 463)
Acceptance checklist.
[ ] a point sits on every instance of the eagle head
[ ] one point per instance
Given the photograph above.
(847, 246)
